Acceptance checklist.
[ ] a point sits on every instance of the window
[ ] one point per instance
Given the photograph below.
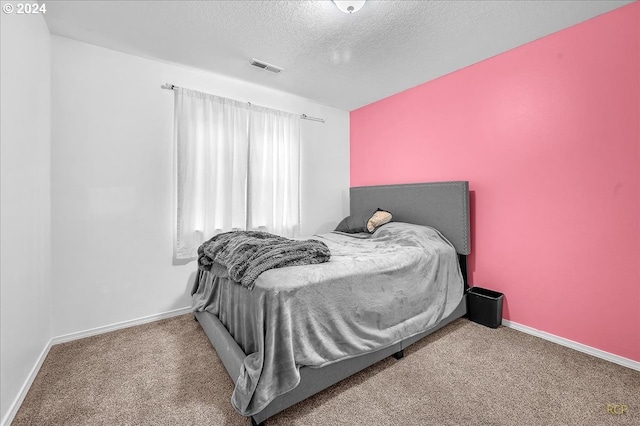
(237, 167)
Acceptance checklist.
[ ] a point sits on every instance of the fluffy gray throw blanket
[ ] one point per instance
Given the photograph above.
(243, 255)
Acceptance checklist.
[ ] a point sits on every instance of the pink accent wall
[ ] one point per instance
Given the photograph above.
(548, 135)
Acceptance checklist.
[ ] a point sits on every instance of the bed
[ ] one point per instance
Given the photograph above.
(223, 309)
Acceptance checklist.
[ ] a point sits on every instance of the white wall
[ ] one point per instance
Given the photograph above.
(25, 276)
(112, 185)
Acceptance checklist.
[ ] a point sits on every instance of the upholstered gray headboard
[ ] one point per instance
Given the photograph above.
(441, 205)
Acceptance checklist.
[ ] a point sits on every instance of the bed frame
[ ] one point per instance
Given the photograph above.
(442, 205)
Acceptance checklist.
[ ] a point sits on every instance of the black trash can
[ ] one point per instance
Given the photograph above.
(485, 306)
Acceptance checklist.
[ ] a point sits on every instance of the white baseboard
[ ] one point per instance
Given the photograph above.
(118, 326)
(607, 356)
(13, 409)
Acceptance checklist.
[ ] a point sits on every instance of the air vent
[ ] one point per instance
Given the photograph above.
(265, 66)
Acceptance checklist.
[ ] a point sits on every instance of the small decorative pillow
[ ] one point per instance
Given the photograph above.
(364, 222)
(354, 224)
(379, 218)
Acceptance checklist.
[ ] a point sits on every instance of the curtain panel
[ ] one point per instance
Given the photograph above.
(237, 168)
(274, 172)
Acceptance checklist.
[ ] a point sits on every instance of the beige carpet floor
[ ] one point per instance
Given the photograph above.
(167, 373)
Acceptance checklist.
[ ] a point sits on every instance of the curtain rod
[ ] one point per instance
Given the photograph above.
(169, 86)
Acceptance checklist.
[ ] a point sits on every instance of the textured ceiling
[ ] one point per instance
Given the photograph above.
(336, 59)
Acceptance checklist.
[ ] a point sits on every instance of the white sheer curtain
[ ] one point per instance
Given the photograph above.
(237, 167)
(274, 172)
(211, 151)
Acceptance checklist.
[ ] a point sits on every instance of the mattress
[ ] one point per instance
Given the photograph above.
(375, 291)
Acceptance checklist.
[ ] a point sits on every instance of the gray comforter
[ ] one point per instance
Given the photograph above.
(374, 292)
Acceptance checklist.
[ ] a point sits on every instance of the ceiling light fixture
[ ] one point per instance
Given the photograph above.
(349, 6)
